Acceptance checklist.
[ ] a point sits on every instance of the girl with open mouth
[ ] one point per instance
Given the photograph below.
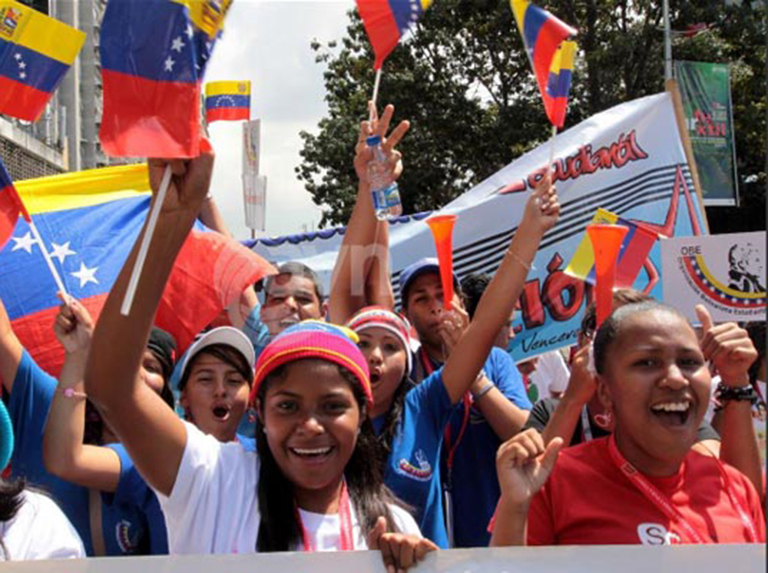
(310, 485)
(644, 483)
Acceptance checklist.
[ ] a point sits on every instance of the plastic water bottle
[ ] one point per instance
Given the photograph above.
(384, 191)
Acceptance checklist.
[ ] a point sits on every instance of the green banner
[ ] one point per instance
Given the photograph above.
(706, 92)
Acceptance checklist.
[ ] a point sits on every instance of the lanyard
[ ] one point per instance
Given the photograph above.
(586, 428)
(345, 524)
(467, 400)
(663, 503)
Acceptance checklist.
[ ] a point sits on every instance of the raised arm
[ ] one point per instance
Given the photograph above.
(465, 361)
(10, 350)
(151, 432)
(359, 275)
(580, 389)
(64, 453)
(730, 349)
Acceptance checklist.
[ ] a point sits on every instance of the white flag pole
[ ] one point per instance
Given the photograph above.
(47, 257)
(145, 241)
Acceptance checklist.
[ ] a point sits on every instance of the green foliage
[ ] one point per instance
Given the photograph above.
(465, 83)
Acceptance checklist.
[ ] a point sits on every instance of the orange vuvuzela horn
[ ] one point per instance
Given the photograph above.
(442, 231)
(606, 244)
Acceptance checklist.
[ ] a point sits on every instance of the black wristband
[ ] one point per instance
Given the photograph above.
(738, 394)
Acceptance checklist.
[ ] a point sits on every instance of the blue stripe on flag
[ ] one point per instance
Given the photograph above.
(30, 68)
(558, 85)
(405, 12)
(227, 101)
(162, 44)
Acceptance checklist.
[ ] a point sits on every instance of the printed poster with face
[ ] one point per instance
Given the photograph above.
(726, 273)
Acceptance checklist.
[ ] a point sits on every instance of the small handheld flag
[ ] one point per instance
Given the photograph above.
(227, 101)
(35, 53)
(154, 54)
(635, 246)
(386, 21)
(551, 57)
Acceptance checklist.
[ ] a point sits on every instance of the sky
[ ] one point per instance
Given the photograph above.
(268, 42)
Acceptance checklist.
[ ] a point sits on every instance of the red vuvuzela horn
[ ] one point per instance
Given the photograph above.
(442, 231)
(606, 244)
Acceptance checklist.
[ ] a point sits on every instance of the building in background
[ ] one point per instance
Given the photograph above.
(66, 136)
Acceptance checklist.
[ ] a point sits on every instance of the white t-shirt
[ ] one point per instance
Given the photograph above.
(551, 374)
(214, 508)
(39, 530)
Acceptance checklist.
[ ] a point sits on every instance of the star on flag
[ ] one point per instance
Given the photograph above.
(85, 275)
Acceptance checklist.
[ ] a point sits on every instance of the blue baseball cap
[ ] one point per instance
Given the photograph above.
(415, 270)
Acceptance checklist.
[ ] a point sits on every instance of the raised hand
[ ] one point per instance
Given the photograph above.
(190, 180)
(581, 384)
(728, 347)
(452, 326)
(523, 464)
(73, 326)
(399, 550)
(380, 126)
(542, 209)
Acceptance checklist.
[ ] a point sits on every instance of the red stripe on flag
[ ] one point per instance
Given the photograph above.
(145, 118)
(227, 114)
(634, 256)
(381, 26)
(9, 214)
(21, 101)
(549, 38)
(35, 331)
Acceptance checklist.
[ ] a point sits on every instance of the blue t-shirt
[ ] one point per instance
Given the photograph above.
(133, 491)
(413, 467)
(124, 527)
(475, 486)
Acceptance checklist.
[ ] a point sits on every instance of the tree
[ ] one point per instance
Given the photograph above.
(464, 81)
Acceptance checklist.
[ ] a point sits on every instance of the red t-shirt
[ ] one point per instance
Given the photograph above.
(589, 501)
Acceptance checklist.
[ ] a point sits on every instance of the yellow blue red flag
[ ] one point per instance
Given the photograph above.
(35, 53)
(154, 54)
(550, 55)
(89, 221)
(227, 101)
(634, 251)
(386, 21)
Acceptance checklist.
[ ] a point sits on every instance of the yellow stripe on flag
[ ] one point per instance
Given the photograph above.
(228, 88)
(518, 9)
(83, 188)
(21, 25)
(584, 258)
(425, 4)
(207, 15)
(564, 57)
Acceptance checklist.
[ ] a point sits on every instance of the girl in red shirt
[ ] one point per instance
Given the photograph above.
(643, 484)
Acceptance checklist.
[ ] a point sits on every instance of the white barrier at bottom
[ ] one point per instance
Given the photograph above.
(591, 559)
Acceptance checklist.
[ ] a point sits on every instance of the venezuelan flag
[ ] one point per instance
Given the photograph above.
(35, 53)
(543, 35)
(634, 251)
(559, 83)
(89, 221)
(154, 54)
(227, 101)
(386, 21)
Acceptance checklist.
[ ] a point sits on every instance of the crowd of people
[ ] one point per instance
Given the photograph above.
(306, 422)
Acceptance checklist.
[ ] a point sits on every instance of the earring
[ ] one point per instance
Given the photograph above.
(604, 420)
